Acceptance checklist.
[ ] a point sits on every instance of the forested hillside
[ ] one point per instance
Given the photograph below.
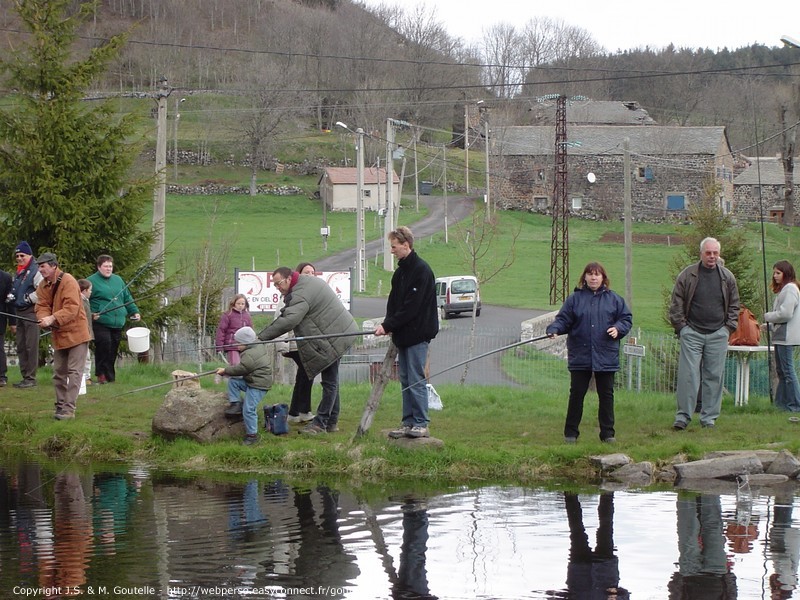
(310, 63)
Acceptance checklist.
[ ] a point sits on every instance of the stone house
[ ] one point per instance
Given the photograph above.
(766, 172)
(670, 169)
(338, 185)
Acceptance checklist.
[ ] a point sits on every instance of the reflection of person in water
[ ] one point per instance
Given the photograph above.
(112, 499)
(592, 573)
(321, 558)
(65, 567)
(703, 567)
(412, 576)
(784, 547)
(246, 517)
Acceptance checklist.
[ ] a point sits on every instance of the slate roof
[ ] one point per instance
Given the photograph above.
(593, 112)
(770, 170)
(349, 175)
(608, 139)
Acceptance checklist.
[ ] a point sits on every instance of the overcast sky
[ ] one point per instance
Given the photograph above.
(622, 25)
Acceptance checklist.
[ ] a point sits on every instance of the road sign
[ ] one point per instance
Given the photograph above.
(633, 350)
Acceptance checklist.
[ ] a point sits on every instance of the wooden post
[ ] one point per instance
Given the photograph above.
(377, 390)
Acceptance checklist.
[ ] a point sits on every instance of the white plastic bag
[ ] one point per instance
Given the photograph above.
(434, 399)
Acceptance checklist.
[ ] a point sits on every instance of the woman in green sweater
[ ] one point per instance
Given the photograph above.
(111, 302)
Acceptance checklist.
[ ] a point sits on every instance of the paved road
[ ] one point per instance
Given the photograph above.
(497, 326)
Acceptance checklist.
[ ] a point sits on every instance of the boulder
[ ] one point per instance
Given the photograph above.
(197, 414)
(607, 462)
(636, 473)
(765, 456)
(784, 464)
(416, 443)
(185, 379)
(723, 467)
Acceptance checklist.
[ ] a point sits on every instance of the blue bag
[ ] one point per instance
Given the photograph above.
(276, 419)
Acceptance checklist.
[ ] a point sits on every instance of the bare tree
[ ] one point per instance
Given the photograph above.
(788, 137)
(478, 241)
(503, 61)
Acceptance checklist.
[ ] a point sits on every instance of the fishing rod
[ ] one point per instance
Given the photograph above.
(155, 385)
(302, 338)
(5, 314)
(469, 360)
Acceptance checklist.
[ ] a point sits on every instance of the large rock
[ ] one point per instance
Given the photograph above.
(635, 473)
(723, 467)
(785, 464)
(197, 414)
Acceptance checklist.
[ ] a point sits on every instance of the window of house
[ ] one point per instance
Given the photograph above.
(577, 203)
(644, 174)
(367, 193)
(676, 201)
(540, 202)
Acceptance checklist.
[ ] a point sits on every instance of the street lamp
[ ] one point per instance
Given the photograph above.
(175, 145)
(361, 262)
(790, 42)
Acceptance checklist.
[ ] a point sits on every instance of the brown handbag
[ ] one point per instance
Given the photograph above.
(748, 332)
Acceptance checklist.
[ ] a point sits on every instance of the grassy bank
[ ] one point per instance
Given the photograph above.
(489, 434)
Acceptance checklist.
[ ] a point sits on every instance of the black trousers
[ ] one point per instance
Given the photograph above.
(579, 385)
(106, 346)
(301, 394)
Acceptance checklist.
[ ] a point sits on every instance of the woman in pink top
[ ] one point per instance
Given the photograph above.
(236, 317)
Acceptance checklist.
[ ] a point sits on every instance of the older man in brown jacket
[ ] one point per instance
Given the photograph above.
(60, 309)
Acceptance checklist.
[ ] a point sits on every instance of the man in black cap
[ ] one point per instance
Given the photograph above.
(27, 330)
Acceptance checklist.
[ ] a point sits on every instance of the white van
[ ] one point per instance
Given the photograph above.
(457, 295)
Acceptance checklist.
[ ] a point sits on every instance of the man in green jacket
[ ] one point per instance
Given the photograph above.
(252, 376)
(313, 309)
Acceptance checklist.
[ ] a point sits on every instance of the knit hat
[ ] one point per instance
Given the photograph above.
(24, 247)
(245, 335)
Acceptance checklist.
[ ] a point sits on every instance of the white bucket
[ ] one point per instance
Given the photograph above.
(138, 339)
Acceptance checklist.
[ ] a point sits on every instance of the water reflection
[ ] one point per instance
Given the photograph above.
(153, 535)
(592, 573)
(703, 566)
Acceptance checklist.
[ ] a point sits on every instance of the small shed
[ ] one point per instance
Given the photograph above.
(337, 188)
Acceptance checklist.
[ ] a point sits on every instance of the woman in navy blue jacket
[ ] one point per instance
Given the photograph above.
(595, 319)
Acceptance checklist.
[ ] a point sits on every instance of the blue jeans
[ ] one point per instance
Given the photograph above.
(252, 396)
(411, 367)
(787, 396)
(701, 363)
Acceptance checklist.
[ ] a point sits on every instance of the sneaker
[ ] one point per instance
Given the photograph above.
(332, 428)
(25, 383)
(63, 416)
(312, 429)
(301, 418)
(707, 425)
(234, 409)
(101, 379)
(611, 440)
(3, 381)
(419, 431)
(400, 432)
(679, 426)
(570, 440)
(88, 381)
(250, 439)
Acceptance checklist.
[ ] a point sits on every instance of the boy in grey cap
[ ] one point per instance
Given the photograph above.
(252, 376)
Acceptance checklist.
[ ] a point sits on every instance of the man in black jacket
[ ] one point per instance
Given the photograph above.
(413, 321)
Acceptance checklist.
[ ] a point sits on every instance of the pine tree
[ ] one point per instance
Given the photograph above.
(65, 161)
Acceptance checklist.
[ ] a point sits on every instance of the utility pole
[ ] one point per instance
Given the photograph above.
(160, 195)
(628, 235)
(559, 243)
(444, 161)
(361, 275)
(488, 197)
(466, 147)
(388, 217)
